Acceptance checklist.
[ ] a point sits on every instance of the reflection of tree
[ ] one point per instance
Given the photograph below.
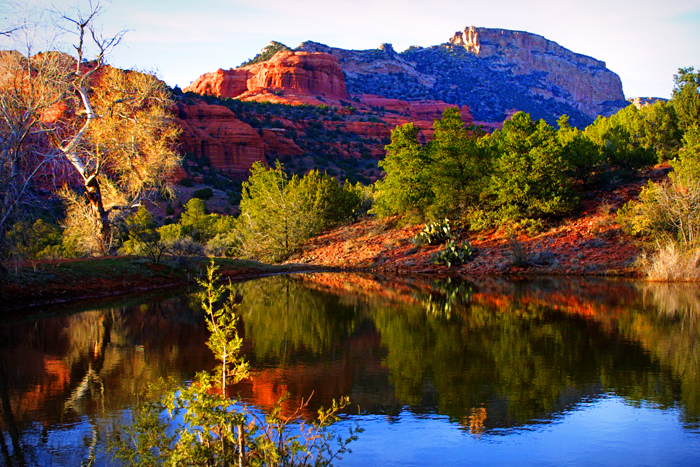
(522, 361)
(286, 320)
(446, 294)
(667, 324)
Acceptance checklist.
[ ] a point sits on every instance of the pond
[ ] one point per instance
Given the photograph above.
(440, 372)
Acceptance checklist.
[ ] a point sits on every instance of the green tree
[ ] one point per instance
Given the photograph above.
(459, 166)
(405, 186)
(530, 177)
(440, 179)
(279, 213)
(686, 97)
(580, 153)
(623, 149)
(144, 238)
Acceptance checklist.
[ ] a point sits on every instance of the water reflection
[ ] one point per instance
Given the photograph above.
(490, 355)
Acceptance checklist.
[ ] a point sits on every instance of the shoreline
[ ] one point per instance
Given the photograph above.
(32, 288)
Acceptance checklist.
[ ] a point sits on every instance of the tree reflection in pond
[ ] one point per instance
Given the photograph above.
(491, 355)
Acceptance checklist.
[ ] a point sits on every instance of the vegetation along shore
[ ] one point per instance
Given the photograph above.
(98, 196)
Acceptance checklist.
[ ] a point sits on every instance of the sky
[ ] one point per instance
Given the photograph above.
(643, 41)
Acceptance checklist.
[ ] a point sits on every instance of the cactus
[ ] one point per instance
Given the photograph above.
(454, 254)
(434, 233)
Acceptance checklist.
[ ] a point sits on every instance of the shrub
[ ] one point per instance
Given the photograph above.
(198, 424)
(672, 262)
(40, 240)
(144, 239)
(203, 193)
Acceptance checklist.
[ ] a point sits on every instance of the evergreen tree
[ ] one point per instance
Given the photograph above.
(530, 177)
(686, 97)
(405, 186)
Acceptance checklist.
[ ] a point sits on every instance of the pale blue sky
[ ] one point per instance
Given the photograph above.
(644, 41)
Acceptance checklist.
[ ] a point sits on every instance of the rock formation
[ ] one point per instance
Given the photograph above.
(583, 80)
(295, 75)
(489, 74)
(214, 132)
(490, 70)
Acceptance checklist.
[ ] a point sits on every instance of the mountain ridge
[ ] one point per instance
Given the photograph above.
(492, 71)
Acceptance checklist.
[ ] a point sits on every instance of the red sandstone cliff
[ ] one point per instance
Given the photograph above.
(303, 76)
(214, 132)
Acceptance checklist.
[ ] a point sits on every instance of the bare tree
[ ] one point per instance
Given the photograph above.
(110, 131)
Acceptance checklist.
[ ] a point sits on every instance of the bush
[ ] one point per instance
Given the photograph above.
(672, 262)
(203, 193)
(144, 239)
(40, 240)
(198, 424)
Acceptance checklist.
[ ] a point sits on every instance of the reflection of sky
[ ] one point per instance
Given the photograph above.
(606, 432)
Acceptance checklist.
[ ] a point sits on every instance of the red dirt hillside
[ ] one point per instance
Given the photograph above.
(590, 243)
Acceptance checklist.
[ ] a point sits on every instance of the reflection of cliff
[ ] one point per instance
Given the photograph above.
(59, 371)
(488, 354)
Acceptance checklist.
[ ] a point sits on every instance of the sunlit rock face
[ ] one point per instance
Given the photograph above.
(492, 71)
(214, 132)
(586, 82)
(301, 75)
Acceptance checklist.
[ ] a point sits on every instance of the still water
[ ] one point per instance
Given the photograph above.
(493, 372)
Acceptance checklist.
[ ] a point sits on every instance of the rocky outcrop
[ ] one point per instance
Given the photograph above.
(300, 75)
(640, 102)
(489, 70)
(382, 61)
(566, 76)
(214, 132)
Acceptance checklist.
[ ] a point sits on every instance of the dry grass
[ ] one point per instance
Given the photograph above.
(672, 263)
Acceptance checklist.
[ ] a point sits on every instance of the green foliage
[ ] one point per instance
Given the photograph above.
(405, 187)
(668, 210)
(434, 233)
(198, 425)
(530, 177)
(440, 179)
(203, 193)
(580, 153)
(196, 222)
(458, 166)
(623, 150)
(686, 97)
(279, 213)
(267, 53)
(144, 238)
(40, 240)
(453, 254)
